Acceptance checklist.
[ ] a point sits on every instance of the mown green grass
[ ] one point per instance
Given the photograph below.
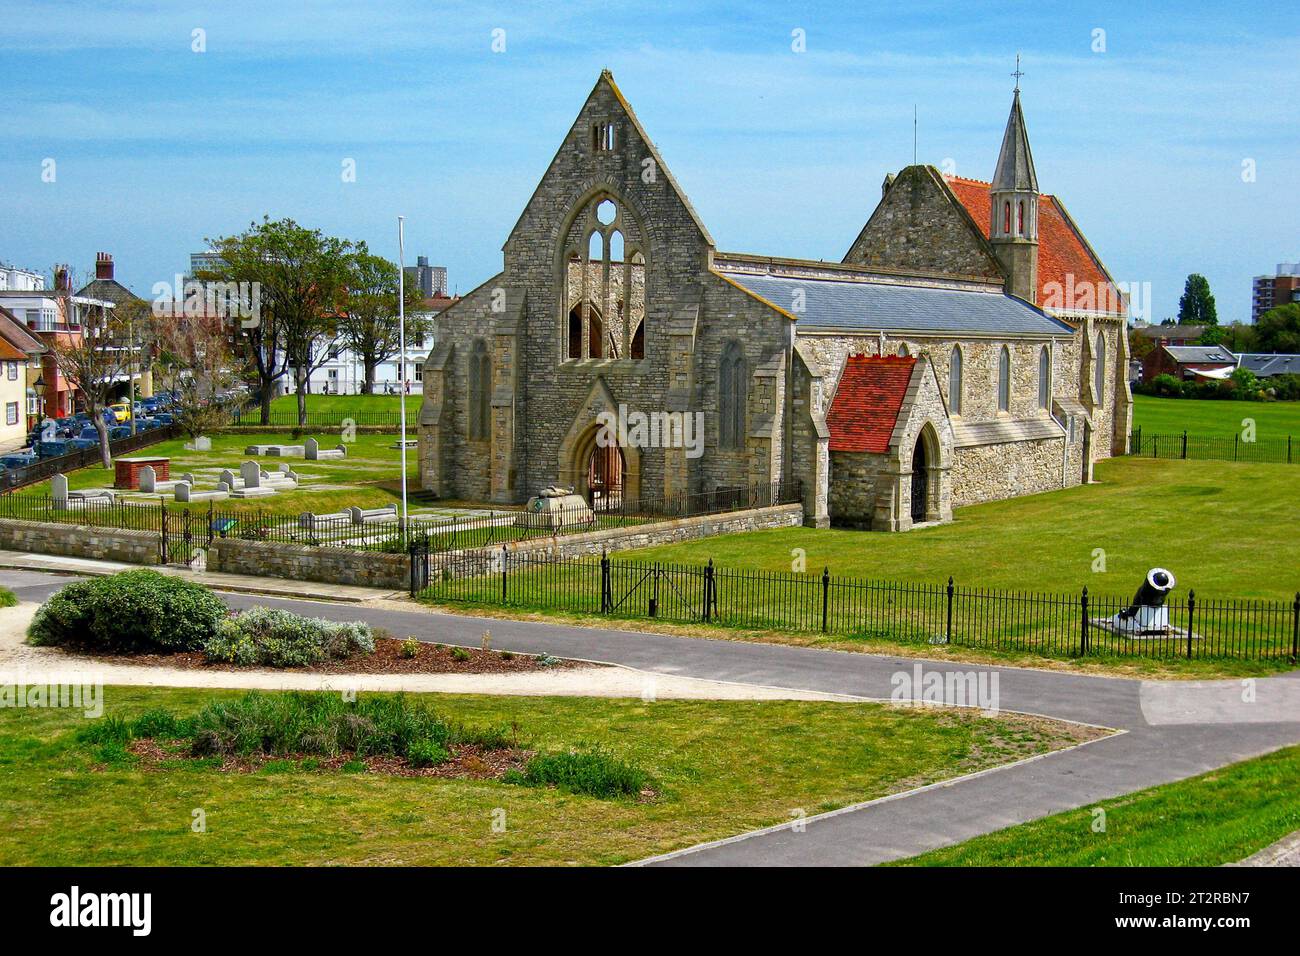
(370, 477)
(1225, 529)
(1216, 818)
(349, 404)
(723, 767)
(1173, 416)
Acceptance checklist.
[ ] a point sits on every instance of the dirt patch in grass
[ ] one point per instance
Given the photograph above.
(388, 658)
(467, 761)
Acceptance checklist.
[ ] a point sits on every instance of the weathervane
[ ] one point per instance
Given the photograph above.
(1018, 74)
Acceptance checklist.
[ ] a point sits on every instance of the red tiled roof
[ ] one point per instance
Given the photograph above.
(867, 402)
(1061, 250)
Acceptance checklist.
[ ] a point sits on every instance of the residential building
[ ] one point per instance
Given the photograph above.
(20, 369)
(106, 288)
(1268, 292)
(1171, 334)
(1266, 365)
(55, 316)
(1189, 362)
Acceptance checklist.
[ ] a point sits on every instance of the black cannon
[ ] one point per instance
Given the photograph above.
(1147, 614)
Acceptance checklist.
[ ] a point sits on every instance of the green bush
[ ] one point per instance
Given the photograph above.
(278, 638)
(410, 647)
(7, 598)
(459, 654)
(135, 611)
(327, 725)
(594, 772)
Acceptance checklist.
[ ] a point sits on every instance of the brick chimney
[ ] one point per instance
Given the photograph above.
(103, 265)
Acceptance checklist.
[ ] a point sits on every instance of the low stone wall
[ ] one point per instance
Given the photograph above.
(80, 541)
(662, 532)
(301, 562)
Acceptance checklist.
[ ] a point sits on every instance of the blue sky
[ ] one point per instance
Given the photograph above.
(158, 147)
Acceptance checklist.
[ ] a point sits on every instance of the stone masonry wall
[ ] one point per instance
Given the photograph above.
(80, 541)
(306, 563)
(989, 472)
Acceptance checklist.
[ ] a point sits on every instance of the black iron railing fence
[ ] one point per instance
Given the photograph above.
(12, 478)
(1051, 624)
(378, 529)
(1277, 450)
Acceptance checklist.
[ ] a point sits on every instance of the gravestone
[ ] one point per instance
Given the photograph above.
(310, 449)
(251, 472)
(182, 491)
(148, 480)
(227, 478)
(59, 491)
(201, 443)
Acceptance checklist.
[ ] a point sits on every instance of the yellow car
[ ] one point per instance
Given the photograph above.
(121, 411)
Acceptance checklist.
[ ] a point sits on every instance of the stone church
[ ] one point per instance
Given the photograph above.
(970, 345)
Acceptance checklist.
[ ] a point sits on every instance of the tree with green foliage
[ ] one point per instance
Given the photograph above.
(300, 275)
(1196, 307)
(1278, 330)
(368, 323)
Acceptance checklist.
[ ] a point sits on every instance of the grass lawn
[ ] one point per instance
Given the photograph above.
(1171, 416)
(1219, 817)
(1225, 529)
(721, 767)
(348, 404)
(369, 477)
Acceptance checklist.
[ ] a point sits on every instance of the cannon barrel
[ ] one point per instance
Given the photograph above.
(1155, 588)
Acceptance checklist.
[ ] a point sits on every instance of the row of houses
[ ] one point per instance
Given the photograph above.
(1190, 362)
(35, 318)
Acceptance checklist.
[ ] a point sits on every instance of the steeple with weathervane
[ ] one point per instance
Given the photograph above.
(1013, 229)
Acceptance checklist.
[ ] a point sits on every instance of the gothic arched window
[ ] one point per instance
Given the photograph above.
(480, 391)
(604, 283)
(1006, 218)
(954, 381)
(732, 397)
(1004, 380)
(1020, 219)
(1099, 371)
(1044, 377)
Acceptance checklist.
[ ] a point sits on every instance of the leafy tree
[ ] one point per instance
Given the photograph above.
(1278, 330)
(369, 321)
(1196, 307)
(1139, 346)
(299, 276)
(1213, 335)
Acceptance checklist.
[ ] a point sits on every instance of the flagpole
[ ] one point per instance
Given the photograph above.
(401, 350)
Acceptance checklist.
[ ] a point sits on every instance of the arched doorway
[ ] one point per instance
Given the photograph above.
(920, 480)
(605, 468)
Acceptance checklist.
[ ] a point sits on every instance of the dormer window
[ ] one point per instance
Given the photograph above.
(602, 137)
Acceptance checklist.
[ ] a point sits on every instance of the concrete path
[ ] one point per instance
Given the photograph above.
(1211, 726)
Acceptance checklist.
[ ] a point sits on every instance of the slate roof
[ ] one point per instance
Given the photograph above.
(867, 402)
(14, 331)
(1062, 252)
(1264, 365)
(1212, 354)
(873, 305)
(1015, 169)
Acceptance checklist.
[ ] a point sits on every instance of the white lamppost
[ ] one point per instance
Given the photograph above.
(401, 350)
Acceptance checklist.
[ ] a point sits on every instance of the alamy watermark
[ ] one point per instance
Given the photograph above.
(946, 688)
(192, 298)
(70, 691)
(637, 429)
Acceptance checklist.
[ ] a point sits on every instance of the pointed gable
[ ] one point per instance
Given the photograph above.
(607, 148)
(920, 226)
(867, 402)
(1065, 260)
(1015, 168)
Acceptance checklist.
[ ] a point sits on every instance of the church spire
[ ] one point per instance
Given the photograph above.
(1013, 228)
(1015, 169)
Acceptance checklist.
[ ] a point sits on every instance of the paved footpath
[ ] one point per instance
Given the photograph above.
(1208, 726)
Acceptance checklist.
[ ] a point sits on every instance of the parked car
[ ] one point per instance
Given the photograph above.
(17, 460)
(52, 449)
(121, 411)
